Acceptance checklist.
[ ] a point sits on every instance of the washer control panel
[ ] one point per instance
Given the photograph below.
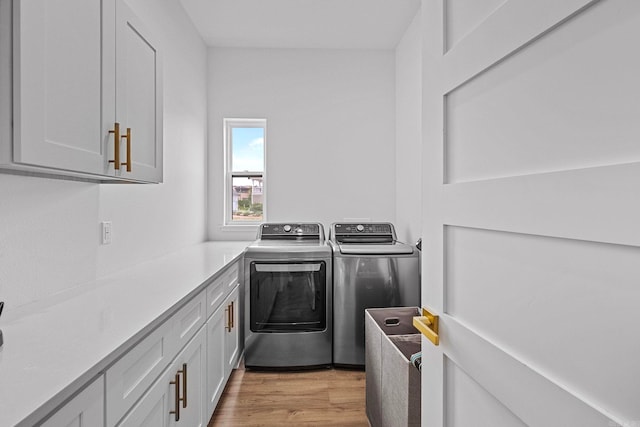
(290, 231)
(353, 232)
(364, 228)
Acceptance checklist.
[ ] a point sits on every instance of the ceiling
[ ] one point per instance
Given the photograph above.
(319, 24)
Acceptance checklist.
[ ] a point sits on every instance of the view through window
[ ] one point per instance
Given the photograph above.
(245, 141)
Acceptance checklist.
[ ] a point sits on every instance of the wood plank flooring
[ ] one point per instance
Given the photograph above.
(323, 397)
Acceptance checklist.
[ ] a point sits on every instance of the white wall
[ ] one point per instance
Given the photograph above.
(49, 229)
(152, 220)
(409, 133)
(330, 131)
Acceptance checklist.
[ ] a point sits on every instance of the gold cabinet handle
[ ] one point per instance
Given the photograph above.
(232, 315)
(427, 324)
(183, 371)
(116, 144)
(127, 136)
(176, 384)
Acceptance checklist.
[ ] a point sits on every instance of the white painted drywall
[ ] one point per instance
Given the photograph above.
(48, 237)
(409, 133)
(49, 229)
(330, 131)
(152, 220)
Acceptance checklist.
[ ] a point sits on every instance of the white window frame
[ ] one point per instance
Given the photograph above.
(228, 124)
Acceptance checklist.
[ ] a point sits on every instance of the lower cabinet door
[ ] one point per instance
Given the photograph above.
(86, 409)
(232, 336)
(177, 398)
(191, 364)
(217, 327)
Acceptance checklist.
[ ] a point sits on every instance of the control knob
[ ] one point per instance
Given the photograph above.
(287, 228)
(359, 228)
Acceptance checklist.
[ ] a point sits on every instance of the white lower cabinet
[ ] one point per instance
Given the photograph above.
(129, 378)
(86, 409)
(175, 376)
(232, 337)
(216, 329)
(223, 347)
(191, 366)
(221, 287)
(177, 397)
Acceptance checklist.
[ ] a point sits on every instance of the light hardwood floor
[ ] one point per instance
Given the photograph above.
(323, 397)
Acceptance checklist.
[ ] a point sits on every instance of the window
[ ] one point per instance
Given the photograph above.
(244, 170)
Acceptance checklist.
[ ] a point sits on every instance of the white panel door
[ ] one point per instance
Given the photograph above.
(217, 326)
(192, 363)
(138, 96)
(223, 344)
(157, 406)
(177, 397)
(232, 335)
(84, 410)
(531, 242)
(58, 76)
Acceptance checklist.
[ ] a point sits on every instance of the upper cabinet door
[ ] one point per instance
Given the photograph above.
(80, 70)
(58, 75)
(138, 97)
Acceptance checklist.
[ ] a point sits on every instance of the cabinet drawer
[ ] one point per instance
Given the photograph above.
(230, 277)
(132, 375)
(220, 288)
(155, 408)
(188, 320)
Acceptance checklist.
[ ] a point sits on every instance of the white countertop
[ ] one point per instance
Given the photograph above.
(54, 346)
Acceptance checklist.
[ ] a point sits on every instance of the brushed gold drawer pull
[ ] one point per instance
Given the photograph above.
(232, 315)
(183, 371)
(427, 324)
(176, 384)
(127, 136)
(116, 144)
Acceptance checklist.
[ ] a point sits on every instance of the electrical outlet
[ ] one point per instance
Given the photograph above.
(106, 232)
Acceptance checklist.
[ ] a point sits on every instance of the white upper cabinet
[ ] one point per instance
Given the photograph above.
(78, 68)
(138, 107)
(57, 84)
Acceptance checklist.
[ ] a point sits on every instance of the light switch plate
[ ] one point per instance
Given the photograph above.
(106, 232)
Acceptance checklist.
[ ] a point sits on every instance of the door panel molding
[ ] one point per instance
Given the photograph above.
(467, 402)
(557, 104)
(462, 17)
(571, 204)
(545, 402)
(528, 294)
(513, 26)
